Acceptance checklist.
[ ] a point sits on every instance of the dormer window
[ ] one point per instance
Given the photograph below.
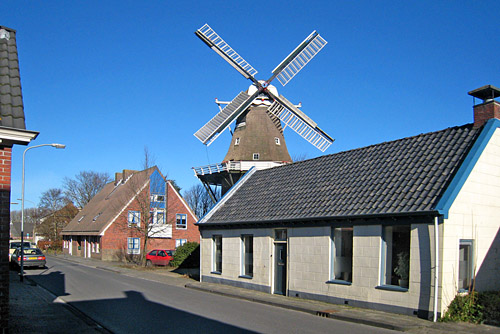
(277, 141)
(256, 156)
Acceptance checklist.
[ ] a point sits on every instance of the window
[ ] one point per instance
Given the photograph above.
(95, 218)
(395, 256)
(277, 141)
(81, 218)
(247, 255)
(237, 141)
(217, 254)
(341, 254)
(133, 246)
(256, 156)
(180, 242)
(134, 218)
(157, 198)
(280, 235)
(465, 265)
(181, 221)
(160, 217)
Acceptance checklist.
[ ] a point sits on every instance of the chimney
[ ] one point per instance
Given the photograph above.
(488, 108)
(127, 173)
(118, 178)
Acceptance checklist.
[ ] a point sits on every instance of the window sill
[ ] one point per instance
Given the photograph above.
(391, 288)
(245, 276)
(181, 228)
(340, 282)
(216, 272)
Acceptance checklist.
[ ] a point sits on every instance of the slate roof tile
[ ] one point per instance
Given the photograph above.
(11, 101)
(402, 176)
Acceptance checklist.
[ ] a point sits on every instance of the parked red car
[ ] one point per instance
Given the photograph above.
(159, 257)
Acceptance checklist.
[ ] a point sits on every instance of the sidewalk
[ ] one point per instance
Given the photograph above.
(35, 310)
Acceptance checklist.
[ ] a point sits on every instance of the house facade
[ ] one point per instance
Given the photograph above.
(138, 204)
(12, 132)
(377, 227)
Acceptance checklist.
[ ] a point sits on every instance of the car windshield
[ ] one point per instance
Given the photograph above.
(18, 244)
(32, 251)
(169, 253)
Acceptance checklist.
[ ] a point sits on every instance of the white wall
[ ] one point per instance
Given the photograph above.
(475, 214)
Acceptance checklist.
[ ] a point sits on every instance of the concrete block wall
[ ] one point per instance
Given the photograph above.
(309, 269)
(308, 263)
(231, 256)
(5, 172)
(475, 215)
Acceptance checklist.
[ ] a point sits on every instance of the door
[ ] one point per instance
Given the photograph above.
(280, 269)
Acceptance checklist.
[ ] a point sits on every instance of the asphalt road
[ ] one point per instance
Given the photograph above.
(124, 304)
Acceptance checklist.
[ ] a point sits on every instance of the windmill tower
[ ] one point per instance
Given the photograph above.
(260, 113)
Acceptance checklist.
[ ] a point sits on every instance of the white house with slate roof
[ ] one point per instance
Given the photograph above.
(376, 227)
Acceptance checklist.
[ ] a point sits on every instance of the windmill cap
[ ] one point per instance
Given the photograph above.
(252, 89)
(485, 93)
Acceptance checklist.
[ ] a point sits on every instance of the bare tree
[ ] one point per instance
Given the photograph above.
(84, 186)
(198, 199)
(53, 202)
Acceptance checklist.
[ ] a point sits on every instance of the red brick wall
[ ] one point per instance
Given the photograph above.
(5, 164)
(177, 205)
(483, 112)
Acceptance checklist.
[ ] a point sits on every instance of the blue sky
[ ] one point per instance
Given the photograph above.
(107, 78)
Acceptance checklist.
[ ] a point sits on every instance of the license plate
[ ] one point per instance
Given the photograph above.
(32, 258)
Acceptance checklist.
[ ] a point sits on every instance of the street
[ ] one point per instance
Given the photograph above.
(124, 304)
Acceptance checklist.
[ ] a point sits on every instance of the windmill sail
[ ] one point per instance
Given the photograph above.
(210, 131)
(299, 58)
(294, 118)
(216, 43)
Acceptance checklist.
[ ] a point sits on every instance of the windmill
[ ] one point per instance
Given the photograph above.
(259, 113)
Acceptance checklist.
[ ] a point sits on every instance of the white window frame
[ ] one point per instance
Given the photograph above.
(256, 156)
(246, 256)
(214, 254)
(469, 270)
(134, 218)
(136, 245)
(386, 255)
(337, 262)
(277, 141)
(237, 141)
(181, 217)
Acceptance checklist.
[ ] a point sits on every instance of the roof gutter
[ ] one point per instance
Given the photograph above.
(430, 213)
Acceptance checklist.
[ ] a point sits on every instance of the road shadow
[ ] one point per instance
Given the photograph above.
(134, 313)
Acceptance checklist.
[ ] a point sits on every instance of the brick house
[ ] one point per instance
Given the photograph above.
(12, 132)
(113, 225)
(377, 227)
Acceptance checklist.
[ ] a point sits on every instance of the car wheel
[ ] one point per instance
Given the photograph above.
(149, 263)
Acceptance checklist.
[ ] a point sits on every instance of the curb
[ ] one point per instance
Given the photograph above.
(326, 314)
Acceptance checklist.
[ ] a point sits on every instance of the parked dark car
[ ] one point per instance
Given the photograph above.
(33, 257)
(159, 257)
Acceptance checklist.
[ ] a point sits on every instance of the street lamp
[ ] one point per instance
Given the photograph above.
(22, 204)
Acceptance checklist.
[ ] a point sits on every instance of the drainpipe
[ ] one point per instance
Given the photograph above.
(436, 261)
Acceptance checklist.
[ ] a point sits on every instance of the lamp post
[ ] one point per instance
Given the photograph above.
(22, 204)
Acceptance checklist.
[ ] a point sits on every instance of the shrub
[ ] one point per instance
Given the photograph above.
(187, 256)
(465, 308)
(476, 307)
(490, 301)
